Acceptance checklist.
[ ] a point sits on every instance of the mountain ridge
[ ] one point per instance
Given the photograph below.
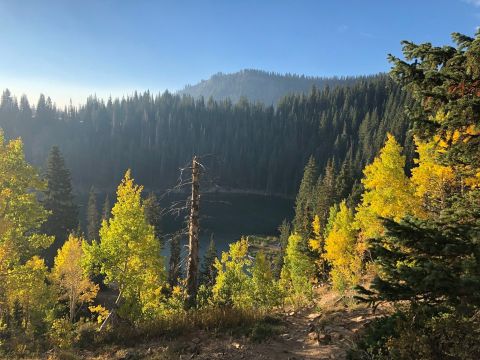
(263, 86)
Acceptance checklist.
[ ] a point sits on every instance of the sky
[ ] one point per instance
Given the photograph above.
(69, 50)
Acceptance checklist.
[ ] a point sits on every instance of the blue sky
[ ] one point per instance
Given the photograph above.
(69, 49)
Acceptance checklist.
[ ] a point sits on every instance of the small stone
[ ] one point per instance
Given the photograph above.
(196, 340)
(313, 336)
(324, 338)
(313, 316)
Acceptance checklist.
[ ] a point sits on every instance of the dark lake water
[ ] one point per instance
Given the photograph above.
(227, 216)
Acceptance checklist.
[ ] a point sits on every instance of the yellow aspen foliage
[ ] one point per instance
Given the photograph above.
(233, 286)
(128, 255)
(74, 284)
(21, 215)
(266, 292)
(432, 181)
(316, 243)
(297, 273)
(388, 191)
(27, 286)
(340, 250)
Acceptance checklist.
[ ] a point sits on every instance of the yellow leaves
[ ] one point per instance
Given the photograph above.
(100, 311)
(128, 254)
(430, 179)
(388, 192)
(340, 250)
(316, 243)
(71, 279)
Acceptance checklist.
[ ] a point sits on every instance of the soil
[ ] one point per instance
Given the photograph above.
(324, 331)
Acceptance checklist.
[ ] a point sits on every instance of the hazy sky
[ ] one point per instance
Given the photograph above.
(70, 49)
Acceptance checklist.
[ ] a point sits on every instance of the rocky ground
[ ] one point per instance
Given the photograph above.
(324, 331)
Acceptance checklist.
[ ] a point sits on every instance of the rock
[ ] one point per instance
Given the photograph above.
(124, 355)
(236, 345)
(324, 339)
(313, 336)
(196, 340)
(291, 313)
(313, 316)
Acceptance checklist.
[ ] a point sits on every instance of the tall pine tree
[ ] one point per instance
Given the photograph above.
(304, 203)
(93, 217)
(58, 199)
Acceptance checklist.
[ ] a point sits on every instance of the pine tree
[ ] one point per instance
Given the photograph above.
(325, 193)
(284, 233)
(174, 265)
(436, 261)
(208, 272)
(153, 212)
(93, 217)
(107, 208)
(58, 199)
(304, 205)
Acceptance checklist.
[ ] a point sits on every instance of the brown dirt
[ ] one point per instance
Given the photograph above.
(324, 331)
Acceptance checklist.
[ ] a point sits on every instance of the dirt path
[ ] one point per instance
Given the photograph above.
(306, 335)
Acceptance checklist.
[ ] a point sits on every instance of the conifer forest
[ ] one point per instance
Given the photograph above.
(366, 195)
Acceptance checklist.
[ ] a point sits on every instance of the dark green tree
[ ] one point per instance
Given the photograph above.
(208, 272)
(93, 217)
(174, 264)
(153, 212)
(107, 208)
(437, 262)
(284, 233)
(58, 199)
(305, 203)
(325, 194)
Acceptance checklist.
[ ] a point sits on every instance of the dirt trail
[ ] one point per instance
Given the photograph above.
(324, 331)
(307, 335)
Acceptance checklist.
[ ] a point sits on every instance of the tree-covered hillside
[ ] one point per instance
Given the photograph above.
(244, 146)
(261, 86)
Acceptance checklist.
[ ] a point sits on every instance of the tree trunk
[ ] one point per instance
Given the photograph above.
(193, 258)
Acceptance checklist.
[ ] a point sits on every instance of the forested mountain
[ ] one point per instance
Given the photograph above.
(261, 86)
(245, 145)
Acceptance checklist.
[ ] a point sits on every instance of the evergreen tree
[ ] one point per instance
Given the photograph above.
(208, 272)
(153, 212)
(174, 265)
(58, 199)
(107, 208)
(304, 204)
(325, 193)
(284, 233)
(93, 217)
(436, 261)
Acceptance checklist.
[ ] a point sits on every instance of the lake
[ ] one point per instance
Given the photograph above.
(227, 216)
